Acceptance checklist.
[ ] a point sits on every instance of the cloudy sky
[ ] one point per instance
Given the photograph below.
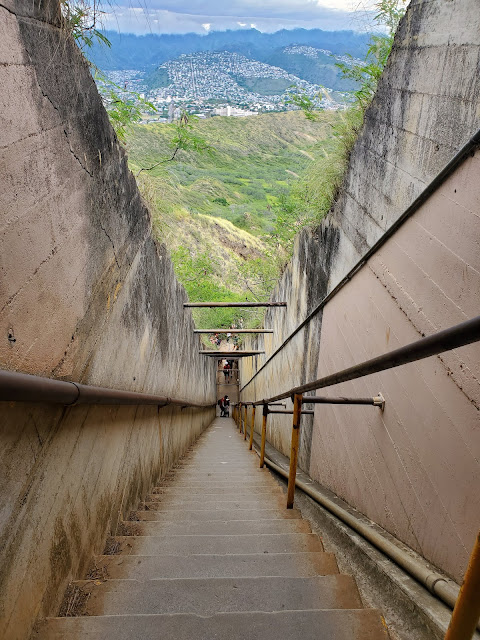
(202, 16)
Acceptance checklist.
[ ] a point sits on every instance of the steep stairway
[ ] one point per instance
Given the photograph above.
(215, 554)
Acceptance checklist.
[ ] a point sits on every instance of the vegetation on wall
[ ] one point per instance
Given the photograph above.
(82, 21)
(314, 194)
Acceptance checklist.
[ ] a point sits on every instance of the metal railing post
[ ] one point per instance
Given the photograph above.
(297, 413)
(467, 608)
(264, 435)
(252, 427)
(245, 423)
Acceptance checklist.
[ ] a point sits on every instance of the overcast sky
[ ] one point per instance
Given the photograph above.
(202, 16)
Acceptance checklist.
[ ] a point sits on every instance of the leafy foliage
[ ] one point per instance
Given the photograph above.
(367, 73)
(81, 19)
(300, 98)
(124, 110)
(185, 137)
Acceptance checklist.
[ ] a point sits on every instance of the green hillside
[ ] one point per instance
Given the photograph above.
(217, 212)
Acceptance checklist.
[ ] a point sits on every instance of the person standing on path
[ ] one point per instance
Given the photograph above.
(226, 371)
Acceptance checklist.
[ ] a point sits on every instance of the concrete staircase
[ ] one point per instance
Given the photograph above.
(215, 554)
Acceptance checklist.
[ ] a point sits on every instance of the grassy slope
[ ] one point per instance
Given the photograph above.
(216, 212)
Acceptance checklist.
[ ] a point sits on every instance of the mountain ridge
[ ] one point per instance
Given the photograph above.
(129, 51)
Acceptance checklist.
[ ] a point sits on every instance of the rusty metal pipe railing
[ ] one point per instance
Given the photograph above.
(264, 435)
(466, 613)
(457, 336)
(297, 414)
(23, 387)
(376, 401)
(289, 413)
(252, 427)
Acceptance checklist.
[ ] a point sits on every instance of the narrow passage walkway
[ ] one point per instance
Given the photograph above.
(215, 554)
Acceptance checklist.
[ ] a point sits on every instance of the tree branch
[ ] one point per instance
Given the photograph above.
(177, 149)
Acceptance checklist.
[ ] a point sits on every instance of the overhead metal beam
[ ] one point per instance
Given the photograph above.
(230, 355)
(232, 331)
(234, 304)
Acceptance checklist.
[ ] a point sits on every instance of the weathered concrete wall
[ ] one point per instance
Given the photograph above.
(426, 108)
(415, 469)
(303, 286)
(87, 295)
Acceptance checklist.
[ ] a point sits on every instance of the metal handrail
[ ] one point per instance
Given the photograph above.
(457, 336)
(464, 152)
(23, 387)
(446, 340)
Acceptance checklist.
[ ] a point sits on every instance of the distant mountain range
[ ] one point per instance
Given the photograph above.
(144, 53)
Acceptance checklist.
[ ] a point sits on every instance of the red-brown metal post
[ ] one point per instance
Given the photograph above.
(245, 424)
(252, 427)
(467, 608)
(297, 414)
(264, 435)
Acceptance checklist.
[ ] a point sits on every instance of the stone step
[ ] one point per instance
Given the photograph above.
(215, 527)
(195, 544)
(180, 497)
(203, 515)
(216, 566)
(216, 482)
(207, 596)
(253, 474)
(232, 476)
(251, 502)
(346, 624)
(218, 490)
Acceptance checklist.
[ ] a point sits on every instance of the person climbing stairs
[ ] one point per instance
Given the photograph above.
(214, 553)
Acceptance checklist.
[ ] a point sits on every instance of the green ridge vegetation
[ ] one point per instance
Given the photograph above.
(218, 212)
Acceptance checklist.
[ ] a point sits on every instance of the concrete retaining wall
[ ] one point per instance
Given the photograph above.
(85, 295)
(423, 280)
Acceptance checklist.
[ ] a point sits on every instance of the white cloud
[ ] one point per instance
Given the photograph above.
(200, 16)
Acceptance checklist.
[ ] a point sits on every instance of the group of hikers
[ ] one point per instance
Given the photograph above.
(216, 339)
(224, 404)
